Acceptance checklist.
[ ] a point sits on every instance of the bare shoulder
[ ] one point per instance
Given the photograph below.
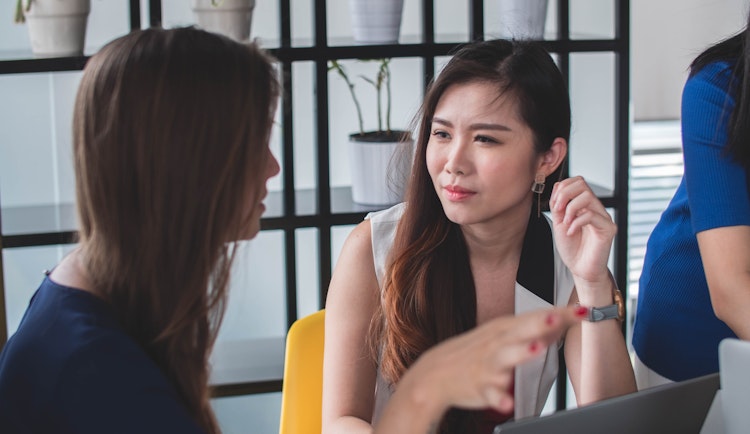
(354, 274)
(361, 236)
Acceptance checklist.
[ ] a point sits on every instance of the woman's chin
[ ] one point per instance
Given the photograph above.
(250, 233)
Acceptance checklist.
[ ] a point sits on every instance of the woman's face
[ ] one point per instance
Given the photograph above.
(255, 210)
(481, 155)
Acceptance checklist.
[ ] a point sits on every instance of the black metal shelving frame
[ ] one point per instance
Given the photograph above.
(288, 218)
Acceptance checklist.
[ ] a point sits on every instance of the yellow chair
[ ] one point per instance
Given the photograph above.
(302, 390)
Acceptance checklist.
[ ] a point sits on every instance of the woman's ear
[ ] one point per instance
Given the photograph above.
(554, 156)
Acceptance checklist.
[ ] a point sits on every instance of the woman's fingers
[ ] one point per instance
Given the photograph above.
(574, 206)
(517, 339)
(522, 337)
(571, 195)
(475, 369)
(602, 224)
(543, 324)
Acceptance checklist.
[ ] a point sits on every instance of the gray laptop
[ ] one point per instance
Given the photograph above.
(672, 408)
(734, 360)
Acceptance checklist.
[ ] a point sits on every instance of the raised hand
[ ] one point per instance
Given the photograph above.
(583, 231)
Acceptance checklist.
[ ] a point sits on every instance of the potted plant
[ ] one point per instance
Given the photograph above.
(56, 27)
(377, 160)
(376, 21)
(522, 19)
(231, 18)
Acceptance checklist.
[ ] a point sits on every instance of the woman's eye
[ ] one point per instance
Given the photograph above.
(485, 139)
(440, 134)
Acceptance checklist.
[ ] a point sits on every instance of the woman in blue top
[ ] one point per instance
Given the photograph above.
(695, 286)
(170, 136)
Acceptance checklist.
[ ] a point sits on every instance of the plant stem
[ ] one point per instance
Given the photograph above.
(386, 65)
(380, 78)
(19, 18)
(378, 88)
(340, 69)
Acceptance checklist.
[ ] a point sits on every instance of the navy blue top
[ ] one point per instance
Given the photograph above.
(676, 332)
(70, 368)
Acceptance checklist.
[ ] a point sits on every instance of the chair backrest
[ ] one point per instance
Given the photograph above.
(302, 390)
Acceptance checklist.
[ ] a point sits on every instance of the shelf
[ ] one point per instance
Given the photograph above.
(38, 225)
(18, 62)
(247, 366)
(47, 64)
(41, 225)
(38, 219)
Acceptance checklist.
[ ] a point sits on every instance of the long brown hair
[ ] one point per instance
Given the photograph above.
(428, 291)
(171, 129)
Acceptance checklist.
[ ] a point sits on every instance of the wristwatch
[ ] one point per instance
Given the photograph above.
(613, 311)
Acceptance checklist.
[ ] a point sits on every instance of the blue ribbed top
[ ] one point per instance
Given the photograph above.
(676, 333)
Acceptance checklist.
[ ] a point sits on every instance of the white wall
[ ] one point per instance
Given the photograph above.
(665, 37)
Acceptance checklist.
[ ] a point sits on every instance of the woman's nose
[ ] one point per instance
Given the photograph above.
(272, 166)
(457, 161)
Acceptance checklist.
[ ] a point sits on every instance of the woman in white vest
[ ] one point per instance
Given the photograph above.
(418, 287)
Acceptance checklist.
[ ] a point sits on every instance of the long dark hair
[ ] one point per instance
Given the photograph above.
(428, 291)
(736, 50)
(171, 129)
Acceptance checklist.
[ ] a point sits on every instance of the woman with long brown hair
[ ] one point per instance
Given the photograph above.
(171, 132)
(470, 246)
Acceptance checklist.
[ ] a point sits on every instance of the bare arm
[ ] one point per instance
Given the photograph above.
(597, 359)
(583, 233)
(725, 253)
(348, 370)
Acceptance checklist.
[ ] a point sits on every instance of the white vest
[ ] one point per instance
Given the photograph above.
(542, 280)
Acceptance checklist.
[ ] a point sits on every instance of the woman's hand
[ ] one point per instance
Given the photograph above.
(473, 370)
(583, 232)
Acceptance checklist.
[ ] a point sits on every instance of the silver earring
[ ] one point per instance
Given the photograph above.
(538, 186)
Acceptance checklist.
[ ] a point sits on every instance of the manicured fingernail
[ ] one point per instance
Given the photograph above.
(506, 405)
(582, 311)
(551, 317)
(534, 347)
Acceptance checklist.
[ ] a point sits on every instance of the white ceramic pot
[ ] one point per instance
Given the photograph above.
(231, 18)
(376, 21)
(522, 19)
(379, 170)
(57, 27)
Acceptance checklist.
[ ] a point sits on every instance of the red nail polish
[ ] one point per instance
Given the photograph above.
(582, 311)
(550, 319)
(534, 347)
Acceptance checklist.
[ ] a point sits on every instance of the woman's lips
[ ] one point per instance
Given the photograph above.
(456, 193)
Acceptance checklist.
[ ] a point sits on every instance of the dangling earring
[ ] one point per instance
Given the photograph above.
(538, 188)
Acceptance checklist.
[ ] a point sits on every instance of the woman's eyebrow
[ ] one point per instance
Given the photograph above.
(473, 127)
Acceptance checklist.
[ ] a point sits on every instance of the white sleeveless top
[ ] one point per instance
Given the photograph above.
(542, 281)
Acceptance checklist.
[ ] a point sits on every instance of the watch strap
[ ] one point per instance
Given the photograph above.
(613, 311)
(603, 313)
